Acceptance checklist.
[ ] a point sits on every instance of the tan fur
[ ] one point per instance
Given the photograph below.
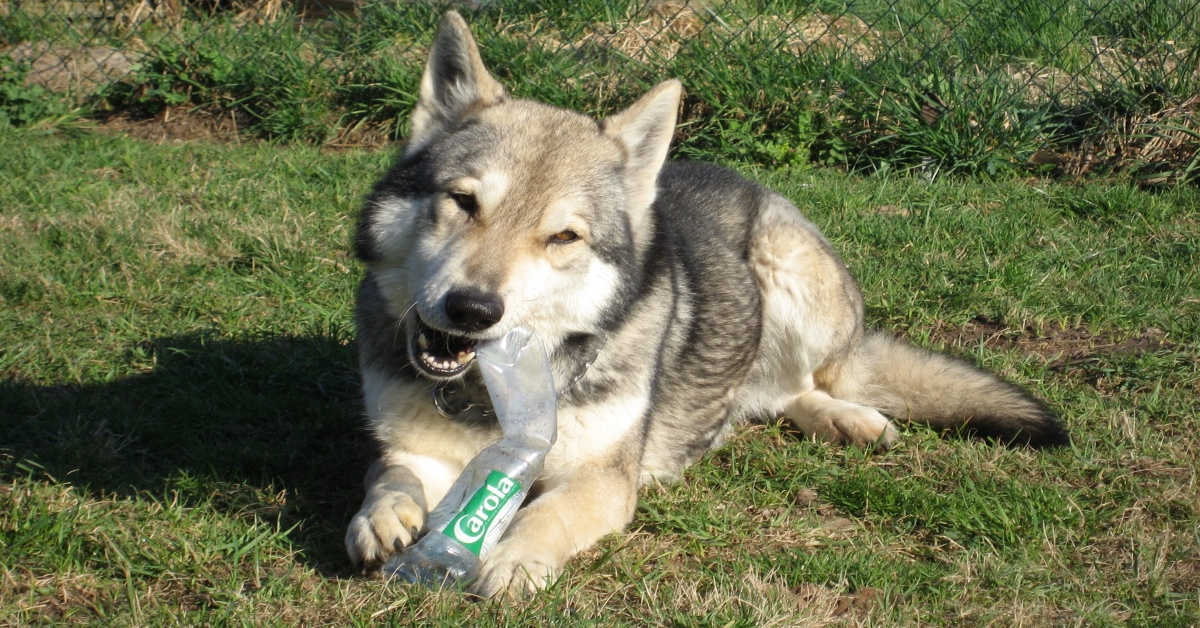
(567, 517)
(813, 361)
(912, 384)
(811, 317)
(644, 130)
(572, 512)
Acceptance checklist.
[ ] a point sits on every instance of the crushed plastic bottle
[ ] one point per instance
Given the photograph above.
(467, 523)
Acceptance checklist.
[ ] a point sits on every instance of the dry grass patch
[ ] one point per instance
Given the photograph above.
(1059, 346)
(656, 32)
(831, 34)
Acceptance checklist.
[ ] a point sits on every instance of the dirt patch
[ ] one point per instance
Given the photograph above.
(864, 601)
(1059, 345)
(75, 70)
(177, 126)
(891, 210)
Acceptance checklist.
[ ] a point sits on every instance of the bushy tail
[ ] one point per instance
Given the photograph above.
(908, 383)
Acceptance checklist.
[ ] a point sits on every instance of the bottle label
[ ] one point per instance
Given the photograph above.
(485, 516)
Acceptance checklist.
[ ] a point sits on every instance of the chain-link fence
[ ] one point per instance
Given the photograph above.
(941, 85)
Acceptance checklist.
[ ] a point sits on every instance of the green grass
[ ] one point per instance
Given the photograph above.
(764, 82)
(181, 441)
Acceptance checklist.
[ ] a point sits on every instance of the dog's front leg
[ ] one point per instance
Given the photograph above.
(568, 517)
(391, 516)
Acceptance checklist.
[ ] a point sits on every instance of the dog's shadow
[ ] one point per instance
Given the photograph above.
(269, 427)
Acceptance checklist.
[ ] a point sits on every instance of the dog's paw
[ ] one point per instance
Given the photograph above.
(384, 526)
(844, 422)
(865, 427)
(509, 571)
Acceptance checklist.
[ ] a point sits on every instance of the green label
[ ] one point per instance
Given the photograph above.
(473, 524)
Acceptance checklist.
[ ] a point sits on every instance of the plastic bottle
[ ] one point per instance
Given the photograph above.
(467, 523)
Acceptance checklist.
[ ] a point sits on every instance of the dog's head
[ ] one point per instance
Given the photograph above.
(505, 212)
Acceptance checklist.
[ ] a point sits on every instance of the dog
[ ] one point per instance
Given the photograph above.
(674, 300)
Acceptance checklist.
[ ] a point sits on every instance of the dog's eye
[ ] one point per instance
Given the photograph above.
(564, 237)
(466, 202)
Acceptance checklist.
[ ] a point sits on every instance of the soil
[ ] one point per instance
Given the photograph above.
(1059, 345)
(179, 125)
(78, 70)
(176, 126)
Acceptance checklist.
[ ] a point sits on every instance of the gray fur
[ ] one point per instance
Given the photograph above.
(674, 299)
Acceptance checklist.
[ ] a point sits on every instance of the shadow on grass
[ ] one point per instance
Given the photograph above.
(266, 428)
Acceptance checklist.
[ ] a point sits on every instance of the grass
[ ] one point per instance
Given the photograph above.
(932, 85)
(181, 442)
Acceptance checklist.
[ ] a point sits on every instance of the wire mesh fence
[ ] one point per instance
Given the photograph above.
(940, 85)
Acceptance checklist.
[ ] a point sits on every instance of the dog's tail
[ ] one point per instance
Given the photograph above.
(909, 383)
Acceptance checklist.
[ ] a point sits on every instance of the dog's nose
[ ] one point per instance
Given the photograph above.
(473, 311)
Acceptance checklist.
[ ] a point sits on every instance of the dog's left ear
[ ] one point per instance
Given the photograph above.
(645, 130)
(455, 82)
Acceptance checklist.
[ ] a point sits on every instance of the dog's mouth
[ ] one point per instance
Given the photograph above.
(440, 354)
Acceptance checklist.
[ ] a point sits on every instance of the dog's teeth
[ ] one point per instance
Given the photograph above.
(422, 341)
(449, 364)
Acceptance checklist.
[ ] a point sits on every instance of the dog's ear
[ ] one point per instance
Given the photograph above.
(645, 130)
(454, 82)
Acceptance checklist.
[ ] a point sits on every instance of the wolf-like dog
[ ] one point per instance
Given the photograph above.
(674, 299)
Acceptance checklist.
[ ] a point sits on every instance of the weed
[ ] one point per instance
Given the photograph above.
(24, 105)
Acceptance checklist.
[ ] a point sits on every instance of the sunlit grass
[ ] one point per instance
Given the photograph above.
(181, 442)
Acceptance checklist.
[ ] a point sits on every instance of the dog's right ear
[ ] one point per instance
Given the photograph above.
(644, 130)
(454, 82)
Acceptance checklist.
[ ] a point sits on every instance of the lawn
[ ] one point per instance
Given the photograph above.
(181, 437)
